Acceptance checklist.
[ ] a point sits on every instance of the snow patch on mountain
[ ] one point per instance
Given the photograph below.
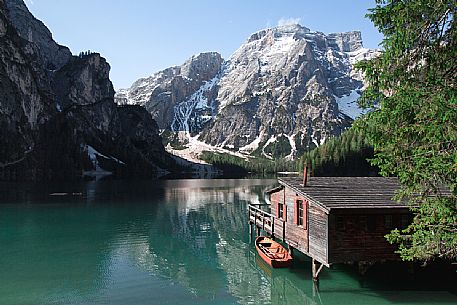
(280, 48)
(184, 114)
(93, 154)
(347, 104)
(293, 151)
(270, 141)
(194, 148)
(253, 145)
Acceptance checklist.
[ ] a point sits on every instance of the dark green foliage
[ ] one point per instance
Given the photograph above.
(413, 122)
(230, 163)
(84, 54)
(341, 156)
(303, 143)
(279, 148)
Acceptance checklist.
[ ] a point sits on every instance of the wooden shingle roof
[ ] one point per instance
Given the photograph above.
(347, 192)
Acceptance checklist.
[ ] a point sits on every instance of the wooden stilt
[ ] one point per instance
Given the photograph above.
(364, 266)
(250, 232)
(258, 230)
(290, 250)
(313, 268)
(316, 267)
(315, 288)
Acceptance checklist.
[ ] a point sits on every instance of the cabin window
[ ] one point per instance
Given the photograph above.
(388, 222)
(300, 212)
(339, 223)
(281, 210)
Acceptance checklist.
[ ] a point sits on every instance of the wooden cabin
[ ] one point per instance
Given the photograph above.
(334, 219)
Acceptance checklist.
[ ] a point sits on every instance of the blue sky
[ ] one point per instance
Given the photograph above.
(140, 37)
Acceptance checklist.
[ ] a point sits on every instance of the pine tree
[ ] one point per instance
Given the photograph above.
(413, 123)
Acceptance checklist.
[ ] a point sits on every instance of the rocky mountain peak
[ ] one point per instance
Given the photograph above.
(83, 80)
(202, 66)
(346, 42)
(277, 32)
(53, 55)
(284, 91)
(162, 92)
(292, 28)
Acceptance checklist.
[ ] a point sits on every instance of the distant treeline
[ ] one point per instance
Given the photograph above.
(86, 53)
(230, 163)
(340, 156)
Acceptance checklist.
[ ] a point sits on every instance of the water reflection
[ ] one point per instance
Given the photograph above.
(186, 247)
(167, 242)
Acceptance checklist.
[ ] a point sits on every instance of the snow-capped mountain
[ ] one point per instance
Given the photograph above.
(285, 90)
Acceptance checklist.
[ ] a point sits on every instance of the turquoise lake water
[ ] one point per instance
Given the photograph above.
(170, 242)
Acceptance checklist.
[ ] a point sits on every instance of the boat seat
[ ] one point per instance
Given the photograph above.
(269, 252)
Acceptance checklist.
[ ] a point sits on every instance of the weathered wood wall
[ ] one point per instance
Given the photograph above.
(358, 234)
(318, 235)
(311, 239)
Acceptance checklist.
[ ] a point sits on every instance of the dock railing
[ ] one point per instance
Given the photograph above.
(264, 220)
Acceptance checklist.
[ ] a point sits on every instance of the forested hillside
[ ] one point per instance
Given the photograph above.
(346, 155)
(341, 156)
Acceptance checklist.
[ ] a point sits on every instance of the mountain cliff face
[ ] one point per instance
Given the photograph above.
(58, 118)
(167, 95)
(52, 55)
(284, 91)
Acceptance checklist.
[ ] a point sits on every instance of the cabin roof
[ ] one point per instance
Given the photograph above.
(347, 192)
(274, 190)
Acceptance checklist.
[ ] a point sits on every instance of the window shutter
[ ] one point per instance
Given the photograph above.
(277, 209)
(296, 212)
(305, 214)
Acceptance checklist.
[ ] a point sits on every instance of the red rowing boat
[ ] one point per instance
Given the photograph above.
(272, 253)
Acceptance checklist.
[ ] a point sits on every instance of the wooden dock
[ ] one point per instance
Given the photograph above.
(265, 221)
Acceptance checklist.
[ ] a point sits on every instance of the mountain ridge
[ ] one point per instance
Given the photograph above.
(58, 118)
(286, 87)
